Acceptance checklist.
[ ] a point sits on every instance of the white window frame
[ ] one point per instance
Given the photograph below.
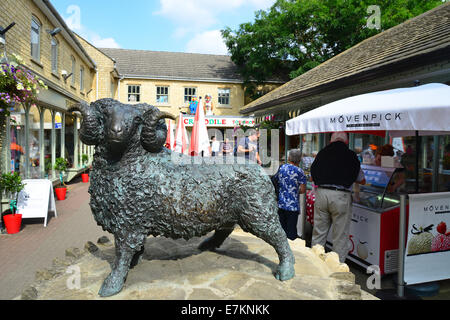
(224, 93)
(54, 55)
(36, 29)
(163, 94)
(192, 91)
(134, 90)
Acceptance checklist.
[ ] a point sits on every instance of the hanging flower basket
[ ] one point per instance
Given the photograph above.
(17, 85)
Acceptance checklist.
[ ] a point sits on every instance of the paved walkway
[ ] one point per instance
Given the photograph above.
(35, 246)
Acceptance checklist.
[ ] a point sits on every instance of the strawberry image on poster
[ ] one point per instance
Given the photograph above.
(421, 241)
(441, 241)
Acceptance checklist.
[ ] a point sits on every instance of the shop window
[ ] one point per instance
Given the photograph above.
(17, 140)
(69, 145)
(162, 94)
(35, 39)
(444, 164)
(55, 46)
(134, 93)
(224, 97)
(189, 93)
(310, 147)
(34, 125)
(48, 143)
(58, 130)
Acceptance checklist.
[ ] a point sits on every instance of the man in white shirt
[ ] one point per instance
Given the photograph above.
(215, 146)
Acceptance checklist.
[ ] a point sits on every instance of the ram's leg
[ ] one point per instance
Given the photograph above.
(124, 255)
(270, 231)
(137, 257)
(216, 240)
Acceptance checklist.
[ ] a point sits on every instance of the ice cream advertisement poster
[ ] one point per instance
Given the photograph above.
(427, 256)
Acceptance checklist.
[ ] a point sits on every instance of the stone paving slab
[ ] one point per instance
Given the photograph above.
(241, 269)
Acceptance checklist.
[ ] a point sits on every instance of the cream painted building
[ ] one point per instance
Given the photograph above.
(45, 131)
(76, 71)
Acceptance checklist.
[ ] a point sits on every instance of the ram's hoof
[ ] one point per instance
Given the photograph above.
(285, 272)
(111, 286)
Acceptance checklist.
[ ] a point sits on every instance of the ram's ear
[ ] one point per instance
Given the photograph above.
(154, 131)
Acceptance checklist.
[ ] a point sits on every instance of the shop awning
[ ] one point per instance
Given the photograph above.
(402, 112)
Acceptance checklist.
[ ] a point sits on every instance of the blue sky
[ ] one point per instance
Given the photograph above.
(160, 25)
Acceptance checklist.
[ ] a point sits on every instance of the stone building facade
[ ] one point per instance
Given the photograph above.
(44, 131)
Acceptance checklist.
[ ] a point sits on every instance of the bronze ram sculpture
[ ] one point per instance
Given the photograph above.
(138, 190)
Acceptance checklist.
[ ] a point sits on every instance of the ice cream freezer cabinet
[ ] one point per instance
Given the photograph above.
(373, 238)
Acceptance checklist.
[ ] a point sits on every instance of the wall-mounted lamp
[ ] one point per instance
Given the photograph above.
(65, 75)
(54, 32)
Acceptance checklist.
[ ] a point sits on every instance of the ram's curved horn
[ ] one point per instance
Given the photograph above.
(80, 107)
(164, 115)
(154, 131)
(91, 129)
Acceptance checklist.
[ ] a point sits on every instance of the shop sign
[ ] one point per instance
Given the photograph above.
(16, 119)
(427, 256)
(222, 122)
(36, 200)
(58, 121)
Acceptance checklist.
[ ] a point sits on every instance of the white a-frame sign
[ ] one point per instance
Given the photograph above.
(36, 200)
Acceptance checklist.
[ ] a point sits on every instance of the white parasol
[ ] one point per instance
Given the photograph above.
(402, 112)
(181, 137)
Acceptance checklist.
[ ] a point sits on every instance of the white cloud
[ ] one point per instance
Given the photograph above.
(209, 42)
(198, 17)
(74, 23)
(193, 16)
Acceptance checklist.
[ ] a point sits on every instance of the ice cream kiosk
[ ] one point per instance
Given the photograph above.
(382, 221)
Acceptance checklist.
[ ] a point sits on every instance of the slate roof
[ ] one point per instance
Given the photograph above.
(174, 65)
(428, 32)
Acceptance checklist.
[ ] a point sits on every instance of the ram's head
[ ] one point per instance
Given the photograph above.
(117, 126)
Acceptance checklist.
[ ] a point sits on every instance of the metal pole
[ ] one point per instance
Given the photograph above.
(401, 247)
(435, 166)
(417, 160)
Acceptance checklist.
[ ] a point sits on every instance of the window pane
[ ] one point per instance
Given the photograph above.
(81, 78)
(69, 140)
(73, 71)
(54, 56)
(17, 136)
(35, 39)
(34, 125)
(48, 142)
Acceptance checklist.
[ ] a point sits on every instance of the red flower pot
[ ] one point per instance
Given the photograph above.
(60, 193)
(13, 222)
(85, 177)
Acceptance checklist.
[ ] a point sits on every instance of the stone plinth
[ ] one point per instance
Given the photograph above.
(241, 269)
